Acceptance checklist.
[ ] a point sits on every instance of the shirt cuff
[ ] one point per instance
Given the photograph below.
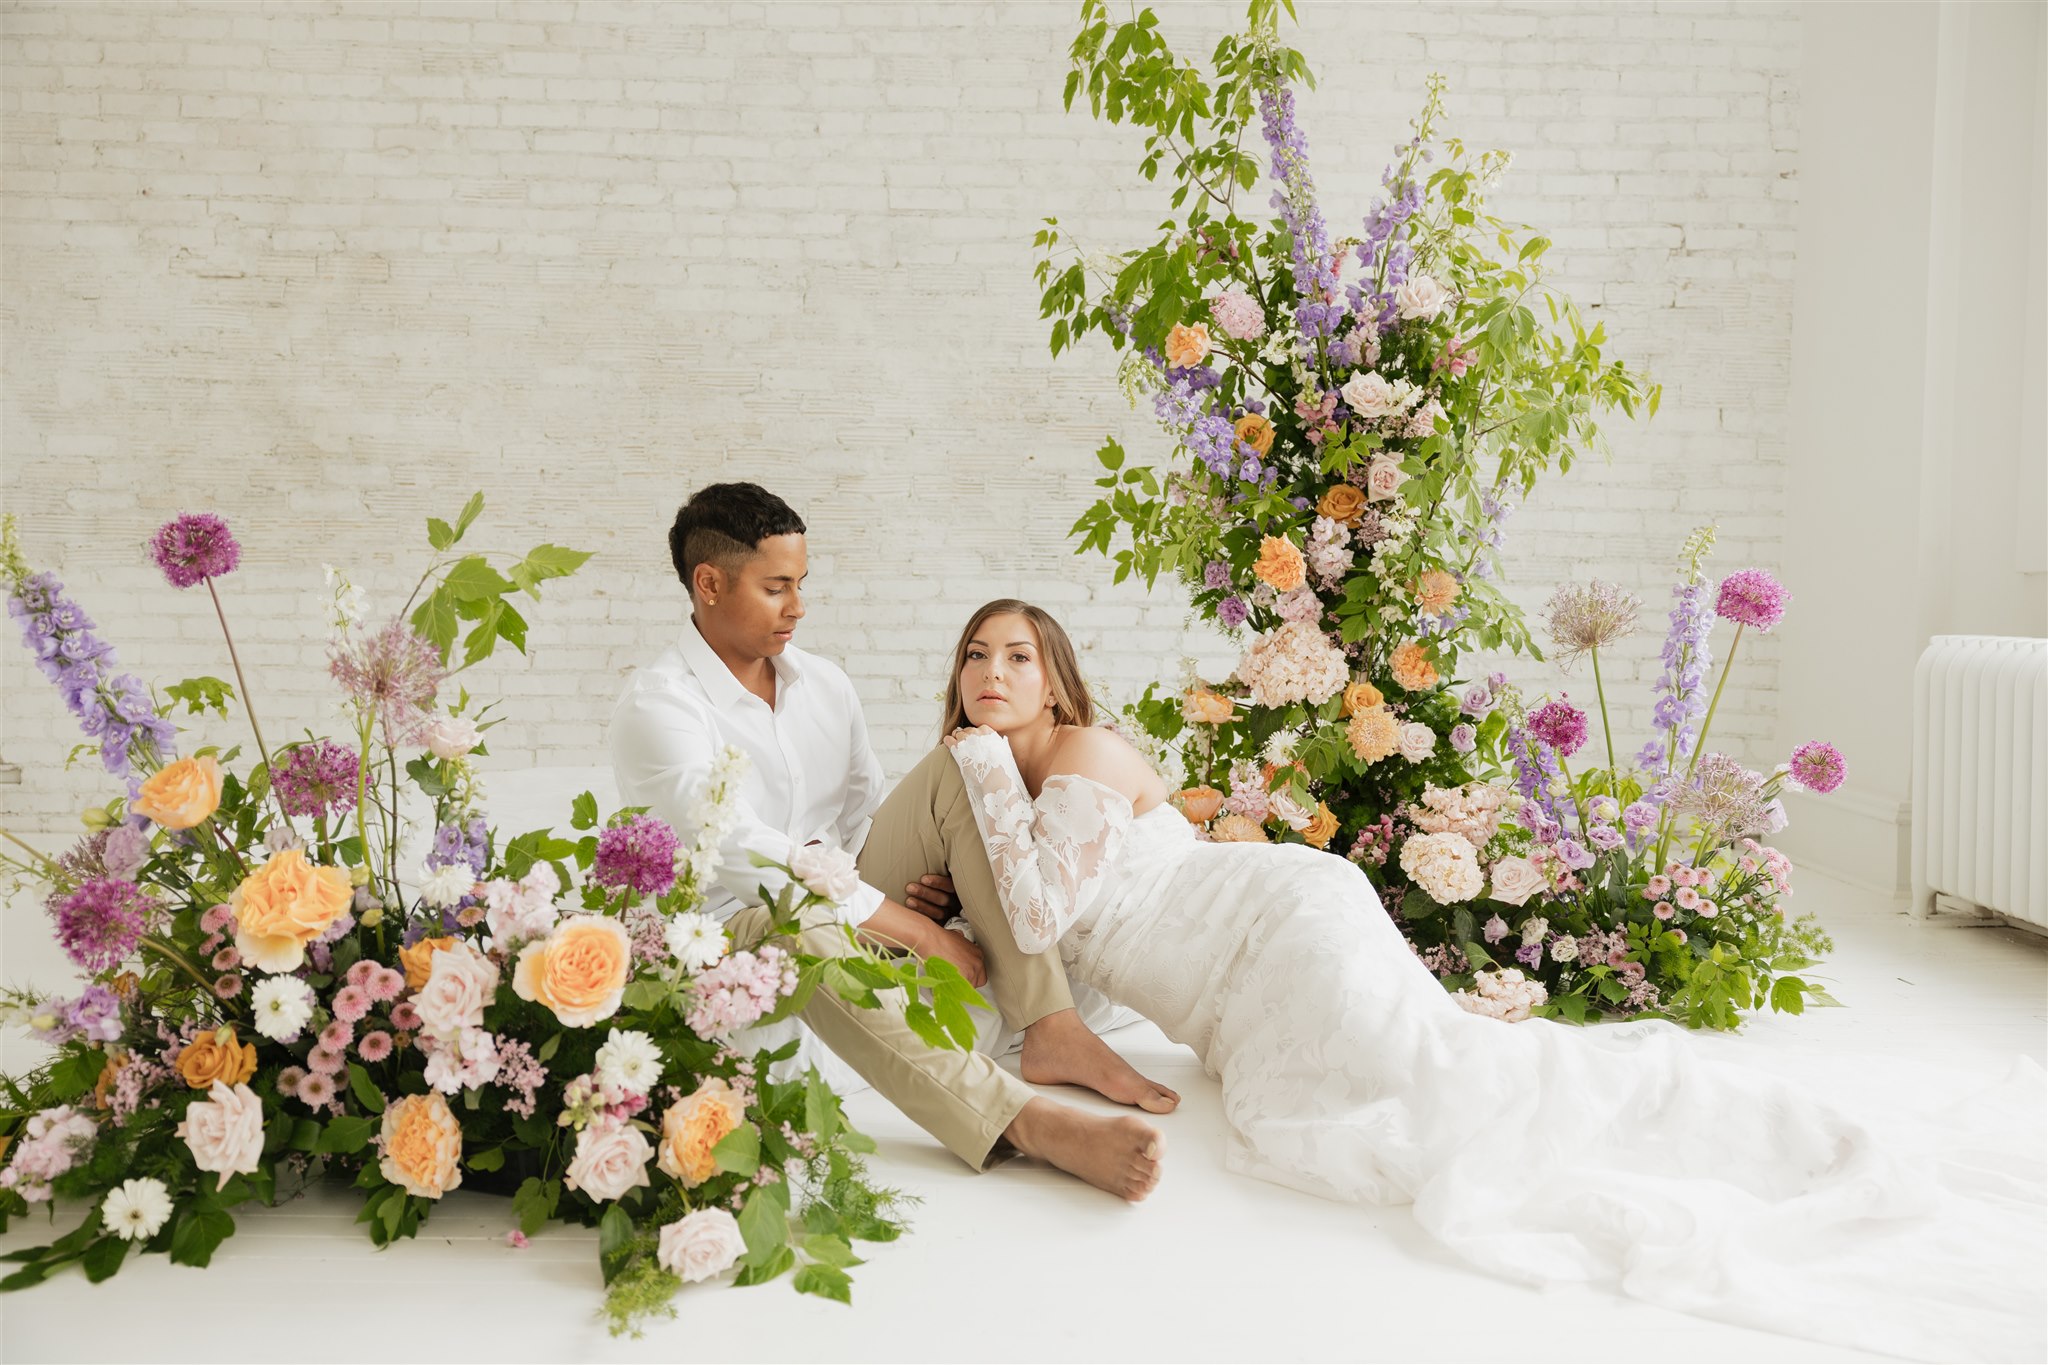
(856, 909)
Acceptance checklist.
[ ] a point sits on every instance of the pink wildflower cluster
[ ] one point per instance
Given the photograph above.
(51, 1143)
(740, 990)
(1374, 843)
(521, 1073)
(590, 1099)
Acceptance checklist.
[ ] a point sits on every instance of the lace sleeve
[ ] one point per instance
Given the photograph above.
(1046, 855)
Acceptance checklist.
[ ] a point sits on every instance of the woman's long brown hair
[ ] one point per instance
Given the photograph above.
(1071, 704)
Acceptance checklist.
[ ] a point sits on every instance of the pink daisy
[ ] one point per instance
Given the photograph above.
(289, 1079)
(404, 1016)
(228, 987)
(362, 973)
(215, 919)
(316, 1089)
(324, 1059)
(227, 959)
(338, 1035)
(351, 1003)
(387, 984)
(374, 1047)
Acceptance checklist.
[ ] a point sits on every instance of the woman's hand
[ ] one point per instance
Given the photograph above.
(964, 731)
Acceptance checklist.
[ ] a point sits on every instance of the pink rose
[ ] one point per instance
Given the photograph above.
(1515, 880)
(225, 1131)
(452, 736)
(1383, 478)
(1419, 296)
(611, 1158)
(826, 871)
(1371, 395)
(700, 1245)
(1418, 741)
(463, 981)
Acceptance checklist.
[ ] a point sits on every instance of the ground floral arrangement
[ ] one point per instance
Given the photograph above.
(1353, 421)
(272, 995)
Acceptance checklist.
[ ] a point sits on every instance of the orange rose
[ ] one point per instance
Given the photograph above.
(1411, 668)
(1200, 706)
(1280, 564)
(693, 1126)
(579, 971)
(181, 795)
(1256, 432)
(1198, 804)
(1322, 828)
(214, 1057)
(1342, 502)
(1436, 591)
(1237, 829)
(422, 1142)
(1361, 696)
(418, 960)
(1187, 345)
(1373, 734)
(284, 905)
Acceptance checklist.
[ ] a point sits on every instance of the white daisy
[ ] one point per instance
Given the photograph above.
(442, 887)
(136, 1209)
(282, 1005)
(629, 1060)
(696, 941)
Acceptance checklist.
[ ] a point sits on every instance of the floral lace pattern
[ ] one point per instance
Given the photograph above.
(1052, 857)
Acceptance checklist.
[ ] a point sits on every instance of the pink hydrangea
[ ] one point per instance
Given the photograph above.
(1239, 315)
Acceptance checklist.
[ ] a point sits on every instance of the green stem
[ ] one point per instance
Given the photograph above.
(248, 703)
(1571, 790)
(50, 868)
(1600, 691)
(170, 953)
(1699, 746)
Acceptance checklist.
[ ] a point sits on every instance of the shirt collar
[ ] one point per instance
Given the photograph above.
(725, 690)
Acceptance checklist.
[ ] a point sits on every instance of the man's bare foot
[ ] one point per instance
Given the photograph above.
(1061, 1050)
(1119, 1154)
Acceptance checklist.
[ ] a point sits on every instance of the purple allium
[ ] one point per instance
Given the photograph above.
(193, 548)
(640, 853)
(1818, 767)
(1589, 616)
(1723, 796)
(1560, 725)
(1752, 598)
(392, 676)
(100, 923)
(316, 779)
(1231, 611)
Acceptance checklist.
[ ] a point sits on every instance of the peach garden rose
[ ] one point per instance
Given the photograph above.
(284, 905)
(181, 794)
(579, 971)
(693, 1126)
(421, 1142)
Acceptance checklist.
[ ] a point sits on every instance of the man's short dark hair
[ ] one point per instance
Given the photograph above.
(724, 524)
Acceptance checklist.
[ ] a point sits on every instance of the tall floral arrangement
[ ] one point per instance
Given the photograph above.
(274, 988)
(1352, 420)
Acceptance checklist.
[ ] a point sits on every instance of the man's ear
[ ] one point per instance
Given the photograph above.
(709, 583)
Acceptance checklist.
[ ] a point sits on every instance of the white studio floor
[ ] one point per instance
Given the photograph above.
(1021, 1263)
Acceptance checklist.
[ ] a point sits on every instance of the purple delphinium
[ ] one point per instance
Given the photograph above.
(1681, 692)
(1536, 774)
(194, 547)
(100, 923)
(1752, 597)
(640, 853)
(1560, 725)
(1382, 224)
(1819, 767)
(316, 779)
(468, 843)
(1315, 272)
(115, 710)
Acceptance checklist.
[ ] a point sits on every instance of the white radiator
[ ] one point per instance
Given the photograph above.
(1980, 775)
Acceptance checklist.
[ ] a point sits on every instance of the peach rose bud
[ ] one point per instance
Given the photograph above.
(182, 794)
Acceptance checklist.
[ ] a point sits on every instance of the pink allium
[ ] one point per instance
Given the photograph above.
(640, 854)
(374, 1047)
(193, 548)
(393, 676)
(316, 778)
(1818, 767)
(1752, 597)
(1560, 725)
(101, 922)
(350, 1004)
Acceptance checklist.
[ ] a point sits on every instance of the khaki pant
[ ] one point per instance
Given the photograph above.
(963, 1099)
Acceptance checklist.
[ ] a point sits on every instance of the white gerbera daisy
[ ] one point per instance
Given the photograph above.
(282, 1005)
(696, 941)
(443, 886)
(629, 1060)
(136, 1209)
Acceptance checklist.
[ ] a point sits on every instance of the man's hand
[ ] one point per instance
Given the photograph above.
(933, 897)
(958, 951)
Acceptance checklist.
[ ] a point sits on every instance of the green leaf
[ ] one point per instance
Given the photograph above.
(614, 1241)
(201, 695)
(645, 993)
(543, 562)
(764, 1225)
(199, 1233)
(491, 1160)
(479, 644)
(435, 619)
(1788, 995)
(366, 1093)
(739, 1151)
(472, 579)
(583, 812)
(440, 534)
(470, 511)
(534, 1204)
(778, 1263)
(547, 1049)
(104, 1257)
(825, 1281)
(830, 1249)
(346, 1135)
(427, 772)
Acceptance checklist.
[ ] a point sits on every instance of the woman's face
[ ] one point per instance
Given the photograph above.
(1003, 682)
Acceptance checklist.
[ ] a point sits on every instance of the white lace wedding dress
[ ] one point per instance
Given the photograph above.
(1537, 1151)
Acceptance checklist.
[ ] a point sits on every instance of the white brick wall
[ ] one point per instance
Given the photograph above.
(326, 268)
